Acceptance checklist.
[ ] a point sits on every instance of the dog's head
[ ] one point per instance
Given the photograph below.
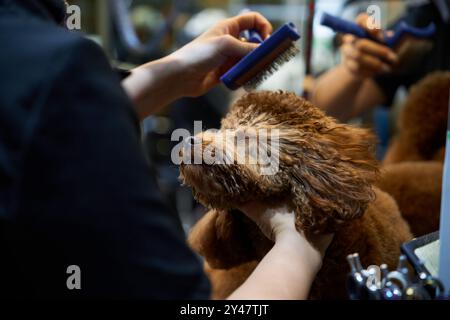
(275, 146)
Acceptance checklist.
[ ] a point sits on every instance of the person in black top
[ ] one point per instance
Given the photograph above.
(365, 76)
(75, 187)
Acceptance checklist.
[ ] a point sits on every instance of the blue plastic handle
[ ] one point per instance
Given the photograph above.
(287, 32)
(344, 26)
(251, 36)
(254, 37)
(403, 28)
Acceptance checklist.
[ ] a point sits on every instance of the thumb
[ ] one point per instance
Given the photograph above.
(231, 47)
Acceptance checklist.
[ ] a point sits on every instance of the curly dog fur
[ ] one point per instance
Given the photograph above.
(326, 175)
(423, 122)
(412, 171)
(416, 186)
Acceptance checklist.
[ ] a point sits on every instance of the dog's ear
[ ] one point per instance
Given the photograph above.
(331, 181)
(227, 239)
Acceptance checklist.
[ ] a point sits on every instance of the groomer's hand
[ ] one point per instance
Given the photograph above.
(278, 224)
(206, 58)
(288, 270)
(366, 58)
(195, 68)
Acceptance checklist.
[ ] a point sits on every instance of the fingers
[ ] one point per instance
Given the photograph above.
(359, 60)
(348, 39)
(365, 57)
(375, 49)
(249, 20)
(366, 66)
(230, 47)
(272, 221)
(371, 47)
(281, 220)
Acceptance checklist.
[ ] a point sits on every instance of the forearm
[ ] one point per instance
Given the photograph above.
(195, 68)
(336, 92)
(154, 85)
(285, 273)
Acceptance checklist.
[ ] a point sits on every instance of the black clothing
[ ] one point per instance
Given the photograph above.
(437, 59)
(75, 187)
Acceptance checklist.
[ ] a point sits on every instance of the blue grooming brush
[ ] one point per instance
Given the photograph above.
(263, 61)
(251, 36)
(391, 39)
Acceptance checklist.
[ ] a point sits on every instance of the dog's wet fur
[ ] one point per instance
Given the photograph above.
(326, 175)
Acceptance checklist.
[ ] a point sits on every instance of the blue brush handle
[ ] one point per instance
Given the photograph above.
(343, 26)
(403, 28)
(252, 36)
(287, 32)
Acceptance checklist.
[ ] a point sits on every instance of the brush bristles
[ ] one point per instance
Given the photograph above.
(262, 76)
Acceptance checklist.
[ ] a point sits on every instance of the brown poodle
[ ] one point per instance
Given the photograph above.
(416, 186)
(422, 123)
(412, 171)
(325, 174)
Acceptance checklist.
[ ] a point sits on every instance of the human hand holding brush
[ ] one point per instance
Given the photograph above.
(349, 89)
(217, 50)
(195, 68)
(366, 58)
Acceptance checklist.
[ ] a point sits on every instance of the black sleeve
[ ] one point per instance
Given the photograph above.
(417, 16)
(389, 84)
(86, 196)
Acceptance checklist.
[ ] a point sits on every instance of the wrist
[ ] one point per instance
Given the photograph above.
(167, 76)
(181, 74)
(300, 247)
(153, 86)
(353, 76)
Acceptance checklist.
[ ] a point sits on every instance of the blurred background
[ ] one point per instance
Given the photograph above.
(137, 31)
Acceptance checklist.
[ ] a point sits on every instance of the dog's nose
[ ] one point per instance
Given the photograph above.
(191, 141)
